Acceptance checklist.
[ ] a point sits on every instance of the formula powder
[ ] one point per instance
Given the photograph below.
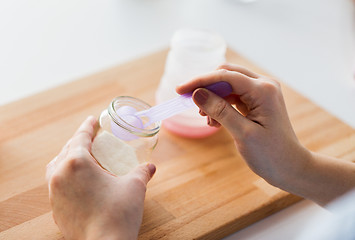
(113, 154)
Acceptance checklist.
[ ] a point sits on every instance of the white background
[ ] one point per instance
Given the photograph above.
(307, 44)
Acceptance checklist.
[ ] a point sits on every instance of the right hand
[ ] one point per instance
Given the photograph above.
(260, 125)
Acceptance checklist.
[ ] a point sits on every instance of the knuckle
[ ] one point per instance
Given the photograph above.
(221, 74)
(223, 66)
(75, 160)
(77, 152)
(248, 134)
(84, 133)
(270, 87)
(138, 183)
(56, 181)
(220, 109)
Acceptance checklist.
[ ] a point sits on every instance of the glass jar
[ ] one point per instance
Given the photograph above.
(124, 132)
(192, 53)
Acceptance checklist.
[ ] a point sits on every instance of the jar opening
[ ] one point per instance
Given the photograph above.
(121, 121)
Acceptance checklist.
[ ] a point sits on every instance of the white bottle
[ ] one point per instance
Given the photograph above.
(192, 53)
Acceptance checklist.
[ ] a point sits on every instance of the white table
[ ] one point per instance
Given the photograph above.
(308, 44)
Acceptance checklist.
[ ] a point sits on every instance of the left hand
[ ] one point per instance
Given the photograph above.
(87, 201)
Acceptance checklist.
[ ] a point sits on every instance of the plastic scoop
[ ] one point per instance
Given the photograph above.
(179, 104)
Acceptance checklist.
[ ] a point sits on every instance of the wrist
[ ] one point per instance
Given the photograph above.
(292, 176)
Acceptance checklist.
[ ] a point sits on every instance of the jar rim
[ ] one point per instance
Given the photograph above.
(132, 101)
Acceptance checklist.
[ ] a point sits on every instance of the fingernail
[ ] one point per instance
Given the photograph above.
(151, 168)
(201, 96)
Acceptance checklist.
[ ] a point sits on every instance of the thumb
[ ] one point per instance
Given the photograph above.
(220, 110)
(143, 172)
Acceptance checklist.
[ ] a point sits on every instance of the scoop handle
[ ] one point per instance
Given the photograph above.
(222, 89)
(181, 103)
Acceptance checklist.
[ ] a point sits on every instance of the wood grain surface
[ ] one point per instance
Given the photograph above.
(202, 188)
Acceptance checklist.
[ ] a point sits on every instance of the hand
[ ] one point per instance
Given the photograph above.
(264, 136)
(87, 201)
(260, 124)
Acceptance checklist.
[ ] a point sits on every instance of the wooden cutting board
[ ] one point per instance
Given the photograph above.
(202, 188)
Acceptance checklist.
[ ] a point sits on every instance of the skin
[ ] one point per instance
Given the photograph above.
(264, 136)
(90, 203)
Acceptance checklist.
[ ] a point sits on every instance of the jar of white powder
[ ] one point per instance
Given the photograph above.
(124, 140)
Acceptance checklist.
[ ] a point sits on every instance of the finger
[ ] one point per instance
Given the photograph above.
(240, 83)
(52, 165)
(213, 123)
(77, 140)
(238, 68)
(241, 106)
(84, 135)
(143, 172)
(63, 153)
(202, 113)
(50, 169)
(220, 110)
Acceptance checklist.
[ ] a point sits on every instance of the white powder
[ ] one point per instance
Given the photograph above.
(114, 154)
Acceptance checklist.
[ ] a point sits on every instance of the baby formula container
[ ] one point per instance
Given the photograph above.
(192, 53)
